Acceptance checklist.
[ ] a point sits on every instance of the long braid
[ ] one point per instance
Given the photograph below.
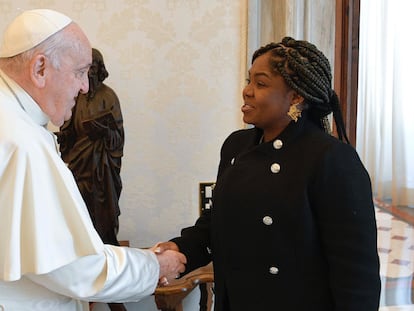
(307, 71)
(340, 125)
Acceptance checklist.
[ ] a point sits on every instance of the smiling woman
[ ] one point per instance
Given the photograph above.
(289, 197)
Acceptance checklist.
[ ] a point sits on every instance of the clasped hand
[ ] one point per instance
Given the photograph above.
(171, 261)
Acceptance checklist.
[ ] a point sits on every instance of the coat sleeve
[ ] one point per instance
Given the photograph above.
(194, 242)
(119, 274)
(343, 206)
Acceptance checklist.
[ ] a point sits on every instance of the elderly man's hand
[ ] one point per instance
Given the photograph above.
(172, 263)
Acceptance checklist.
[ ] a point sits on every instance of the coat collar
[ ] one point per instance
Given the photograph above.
(290, 133)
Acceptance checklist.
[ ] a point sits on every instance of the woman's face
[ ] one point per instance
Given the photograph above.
(267, 98)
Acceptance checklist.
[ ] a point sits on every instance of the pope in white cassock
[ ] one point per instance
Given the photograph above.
(51, 257)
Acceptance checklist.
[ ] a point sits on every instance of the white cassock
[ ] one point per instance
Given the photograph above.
(51, 257)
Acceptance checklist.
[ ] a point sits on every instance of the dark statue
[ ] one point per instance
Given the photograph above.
(91, 143)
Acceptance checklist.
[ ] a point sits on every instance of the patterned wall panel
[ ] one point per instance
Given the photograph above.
(176, 67)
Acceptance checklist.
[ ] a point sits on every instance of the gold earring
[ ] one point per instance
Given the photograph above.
(294, 112)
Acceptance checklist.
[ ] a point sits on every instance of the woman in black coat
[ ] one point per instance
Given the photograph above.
(292, 225)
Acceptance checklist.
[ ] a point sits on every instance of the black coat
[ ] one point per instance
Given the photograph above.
(292, 225)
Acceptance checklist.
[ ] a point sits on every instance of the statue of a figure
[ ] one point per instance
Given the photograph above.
(91, 143)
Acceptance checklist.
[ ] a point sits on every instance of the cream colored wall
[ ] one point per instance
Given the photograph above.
(176, 67)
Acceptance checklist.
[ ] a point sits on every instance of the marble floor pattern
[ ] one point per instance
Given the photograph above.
(396, 253)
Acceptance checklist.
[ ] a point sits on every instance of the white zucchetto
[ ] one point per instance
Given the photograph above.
(31, 28)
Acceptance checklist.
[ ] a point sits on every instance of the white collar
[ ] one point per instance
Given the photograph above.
(25, 101)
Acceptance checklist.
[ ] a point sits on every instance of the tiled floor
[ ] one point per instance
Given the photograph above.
(396, 252)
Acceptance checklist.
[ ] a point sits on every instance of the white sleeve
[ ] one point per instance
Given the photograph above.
(119, 274)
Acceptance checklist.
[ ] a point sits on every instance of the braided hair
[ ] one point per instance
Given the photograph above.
(307, 71)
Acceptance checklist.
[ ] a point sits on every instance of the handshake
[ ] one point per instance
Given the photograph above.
(172, 262)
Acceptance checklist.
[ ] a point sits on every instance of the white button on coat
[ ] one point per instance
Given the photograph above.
(232, 161)
(273, 270)
(277, 144)
(267, 220)
(275, 168)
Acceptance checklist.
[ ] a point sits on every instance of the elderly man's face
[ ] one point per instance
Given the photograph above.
(66, 82)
